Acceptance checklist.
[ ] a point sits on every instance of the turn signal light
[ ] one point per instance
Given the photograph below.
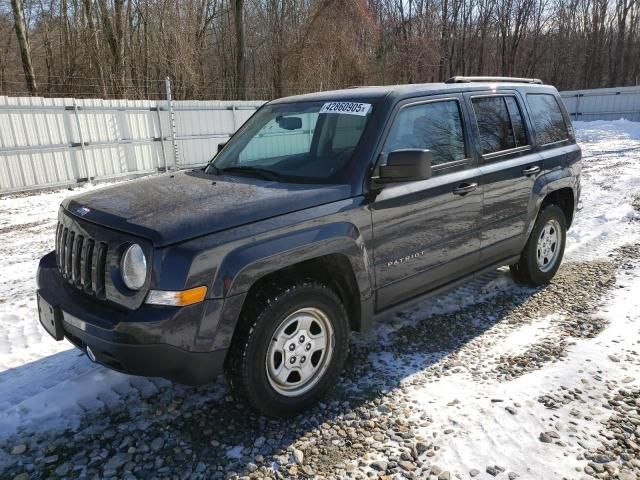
(180, 298)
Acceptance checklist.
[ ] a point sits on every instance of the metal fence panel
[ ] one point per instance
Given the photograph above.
(603, 103)
(35, 136)
(202, 125)
(118, 137)
(49, 142)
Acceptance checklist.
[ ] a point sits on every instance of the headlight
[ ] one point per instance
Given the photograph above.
(134, 267)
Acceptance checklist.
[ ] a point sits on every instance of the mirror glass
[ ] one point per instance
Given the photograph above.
(290, 123)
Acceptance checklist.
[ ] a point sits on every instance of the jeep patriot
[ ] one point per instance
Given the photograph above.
(322, 214)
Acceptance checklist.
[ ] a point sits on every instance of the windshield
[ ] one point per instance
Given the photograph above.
(305, 142)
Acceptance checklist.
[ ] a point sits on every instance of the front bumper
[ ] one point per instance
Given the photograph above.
(155, 341)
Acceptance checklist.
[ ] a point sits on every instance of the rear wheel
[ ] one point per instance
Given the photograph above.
(544, 250)
(290, 347)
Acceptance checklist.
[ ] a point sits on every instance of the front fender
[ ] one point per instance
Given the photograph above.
(245, 265)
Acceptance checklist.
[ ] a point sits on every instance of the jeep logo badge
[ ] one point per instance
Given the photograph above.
(82, 211)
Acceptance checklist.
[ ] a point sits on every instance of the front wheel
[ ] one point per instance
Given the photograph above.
(543, 252)
(290, 347)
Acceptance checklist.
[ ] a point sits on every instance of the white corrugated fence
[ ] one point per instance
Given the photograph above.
(48, 142)
(603, 103)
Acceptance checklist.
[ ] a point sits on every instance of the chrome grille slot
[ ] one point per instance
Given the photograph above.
(63, 250)
(76, 257)
(81, 259)
(59, 230)
(85, 265)
(68, 254)
(100, 259)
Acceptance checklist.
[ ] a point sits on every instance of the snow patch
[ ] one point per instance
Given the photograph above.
(525, 336)
(485, 433)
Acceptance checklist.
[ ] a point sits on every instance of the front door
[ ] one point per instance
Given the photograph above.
(426, 232)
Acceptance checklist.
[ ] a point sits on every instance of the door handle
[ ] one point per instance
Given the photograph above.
(465, 188)
(531, 170)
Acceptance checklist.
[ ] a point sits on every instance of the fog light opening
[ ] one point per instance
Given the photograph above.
(91, 355)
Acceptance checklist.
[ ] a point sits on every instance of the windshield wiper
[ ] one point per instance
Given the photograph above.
(257, 171)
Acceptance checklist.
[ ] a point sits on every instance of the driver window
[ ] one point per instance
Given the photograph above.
(436, 126)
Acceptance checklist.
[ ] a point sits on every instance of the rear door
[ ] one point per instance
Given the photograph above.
(426, 232)
(509, 169)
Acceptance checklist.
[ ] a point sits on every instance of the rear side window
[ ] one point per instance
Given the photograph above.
(500, 123)
(436, 126)
(548, 119)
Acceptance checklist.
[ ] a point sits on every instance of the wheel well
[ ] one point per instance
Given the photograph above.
(563, 198)
(333, 270)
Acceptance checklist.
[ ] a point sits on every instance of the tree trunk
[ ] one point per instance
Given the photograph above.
(444, 41)
(113, 31)
(4, 55)
(119, 19)
(25, 50)
(48, 48)
(241, 69)
(95, 47)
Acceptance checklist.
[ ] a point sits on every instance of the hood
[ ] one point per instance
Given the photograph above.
(173, 207)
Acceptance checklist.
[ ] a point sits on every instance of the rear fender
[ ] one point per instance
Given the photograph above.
(548, 183)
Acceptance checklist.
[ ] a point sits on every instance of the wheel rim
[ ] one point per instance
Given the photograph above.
(300, 351)
(549, 243)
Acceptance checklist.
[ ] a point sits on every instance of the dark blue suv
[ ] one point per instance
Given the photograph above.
(322, 214)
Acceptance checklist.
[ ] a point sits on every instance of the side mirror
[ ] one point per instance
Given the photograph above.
(407, 165)
(221, 146)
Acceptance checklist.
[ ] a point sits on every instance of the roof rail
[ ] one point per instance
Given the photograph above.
(494, 79)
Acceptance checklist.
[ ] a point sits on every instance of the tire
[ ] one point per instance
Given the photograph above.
(278, 319)
(528, 269)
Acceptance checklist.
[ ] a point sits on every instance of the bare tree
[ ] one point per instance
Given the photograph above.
(258, 49)
(25, 49)
(241, 71)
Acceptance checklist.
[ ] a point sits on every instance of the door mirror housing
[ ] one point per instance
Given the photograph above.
(221, 146)
(407, 165)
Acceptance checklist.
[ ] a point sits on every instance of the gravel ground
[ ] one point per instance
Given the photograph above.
(368, 426)
(491, 380)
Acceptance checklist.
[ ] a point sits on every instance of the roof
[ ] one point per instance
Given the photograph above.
(373, 93)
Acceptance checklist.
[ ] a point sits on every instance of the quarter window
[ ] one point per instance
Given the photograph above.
(436, 126)
(548, 118)
(500, 123)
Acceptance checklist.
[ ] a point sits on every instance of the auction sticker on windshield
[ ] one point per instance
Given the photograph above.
(349, 108)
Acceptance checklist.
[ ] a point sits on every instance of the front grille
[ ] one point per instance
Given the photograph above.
(81, 260)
